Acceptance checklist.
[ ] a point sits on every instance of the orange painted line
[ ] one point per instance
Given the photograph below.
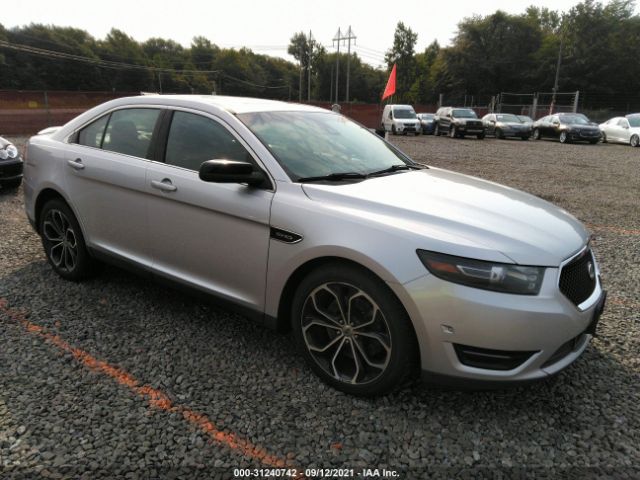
(610, 228)
(155, 397)
(623, 301)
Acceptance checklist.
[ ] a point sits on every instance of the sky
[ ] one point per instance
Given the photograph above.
(267, 26)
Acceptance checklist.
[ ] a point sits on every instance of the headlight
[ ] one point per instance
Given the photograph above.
(12, 151)
(499, 277)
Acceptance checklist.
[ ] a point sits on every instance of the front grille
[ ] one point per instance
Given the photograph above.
(578, 278)
(10, 170)
(490, 359)
(474, 124)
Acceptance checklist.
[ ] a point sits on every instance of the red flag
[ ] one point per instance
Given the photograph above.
(390, 89)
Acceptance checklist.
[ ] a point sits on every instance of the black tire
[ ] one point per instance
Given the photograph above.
(69, 232)
(401, 360)
(436, 130)
(536, 134)
(604, 137)
(525, 138)
(11, 184)
(564, 137)
(634, 141)
(499, 133)
(417, 133)
(480, 136)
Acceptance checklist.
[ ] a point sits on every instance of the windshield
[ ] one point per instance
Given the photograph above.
(574, 120)
(463, 113)
(403, 113)
(634, 120)
(310, 144)
(525, 119)
(426, 116)
(507, 118)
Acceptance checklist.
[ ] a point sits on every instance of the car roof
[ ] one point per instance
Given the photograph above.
(233, 105)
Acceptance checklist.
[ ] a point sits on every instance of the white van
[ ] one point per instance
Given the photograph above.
(400, 119)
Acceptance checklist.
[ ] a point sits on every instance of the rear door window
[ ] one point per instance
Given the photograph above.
(130, 131)
(92, 134)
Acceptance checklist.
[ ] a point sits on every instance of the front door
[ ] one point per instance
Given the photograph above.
(212, 236)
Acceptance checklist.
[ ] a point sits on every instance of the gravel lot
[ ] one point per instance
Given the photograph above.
(122, 378)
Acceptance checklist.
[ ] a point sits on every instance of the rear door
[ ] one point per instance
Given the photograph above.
(212, 236)
(106, 171)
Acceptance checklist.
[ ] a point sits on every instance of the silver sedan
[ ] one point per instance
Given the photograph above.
(306, 221)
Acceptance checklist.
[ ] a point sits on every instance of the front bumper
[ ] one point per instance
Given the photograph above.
(11, 169)
(547, 329)
(584, 136)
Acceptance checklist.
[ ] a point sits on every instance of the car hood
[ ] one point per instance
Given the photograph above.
(458, 214)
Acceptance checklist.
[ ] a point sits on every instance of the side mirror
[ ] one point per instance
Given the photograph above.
(556, 123)
(230, 171)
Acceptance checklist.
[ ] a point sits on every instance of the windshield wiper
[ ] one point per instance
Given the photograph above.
(395, 168)
(334, 177)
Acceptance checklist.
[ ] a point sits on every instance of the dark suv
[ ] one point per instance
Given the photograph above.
(567, 127)
(458, 122)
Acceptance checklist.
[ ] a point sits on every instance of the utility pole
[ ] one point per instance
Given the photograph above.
(300, 81)
(555, 84)
(337, 39)
(331, 90)
(350, 36)
(309, 67)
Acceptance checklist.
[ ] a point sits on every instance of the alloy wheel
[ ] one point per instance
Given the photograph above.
(61, 240)
(346, 333)
(635, 141)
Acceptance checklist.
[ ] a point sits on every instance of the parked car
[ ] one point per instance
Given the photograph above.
(503, 125)
(458, 122)
(10, 165)
(400, 119)
(526, 120)
(307, 221)
(427, 122)
(567, 127)
(622, 130)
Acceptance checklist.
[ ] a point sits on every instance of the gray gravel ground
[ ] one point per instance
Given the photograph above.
(65, 415)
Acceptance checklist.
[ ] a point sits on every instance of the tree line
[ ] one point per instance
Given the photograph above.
(489, 54)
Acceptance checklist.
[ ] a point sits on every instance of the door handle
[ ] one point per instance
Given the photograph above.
(76, 164)
(165, 185)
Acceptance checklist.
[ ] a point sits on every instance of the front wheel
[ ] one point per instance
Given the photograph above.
(452, 132)
(63, 242)
(536, 134)
(635, 141)
(353, 332)
(436, 131)
(604, 137)
(499, 133)
(393, 130)
(564, 138)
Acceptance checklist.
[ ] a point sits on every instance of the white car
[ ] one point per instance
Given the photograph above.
(306, 221)
(400, 119)
(622, 130)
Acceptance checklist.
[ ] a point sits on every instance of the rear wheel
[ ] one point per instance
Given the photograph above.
(604, 137)
(63, 242)
(353, 332)
(536, 134)
(635, 141)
